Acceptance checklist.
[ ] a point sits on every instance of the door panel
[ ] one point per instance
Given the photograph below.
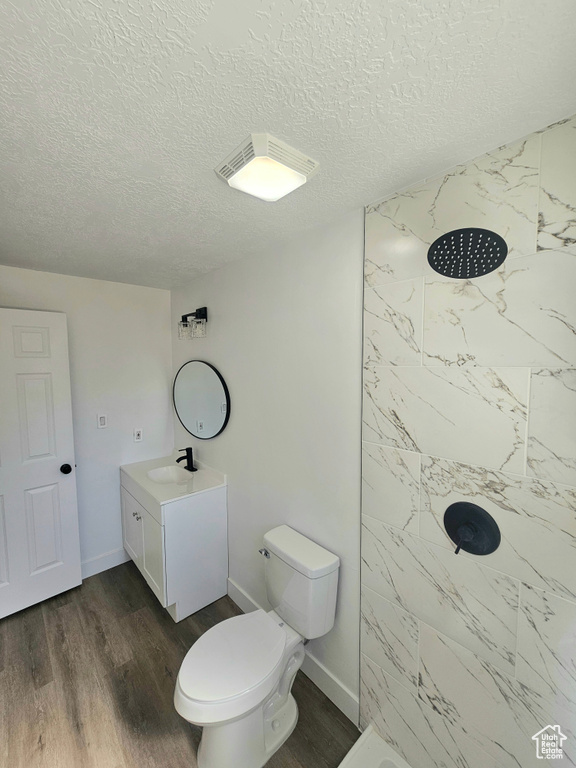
(39, 543)
(30, 341)
(43, 528)
(36, 409)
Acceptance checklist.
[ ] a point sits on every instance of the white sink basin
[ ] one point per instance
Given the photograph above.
(171, 474)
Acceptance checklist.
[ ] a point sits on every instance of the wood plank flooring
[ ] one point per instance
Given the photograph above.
(87, 680)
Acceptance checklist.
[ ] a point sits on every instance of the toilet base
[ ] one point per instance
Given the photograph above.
(248, 742)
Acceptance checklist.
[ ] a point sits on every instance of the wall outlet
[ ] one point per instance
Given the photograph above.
(199, 426)
(137, 435)
(102, 421)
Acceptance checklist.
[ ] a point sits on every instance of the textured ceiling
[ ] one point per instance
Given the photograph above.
(113, 114)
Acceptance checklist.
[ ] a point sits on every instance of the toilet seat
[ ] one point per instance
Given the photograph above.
(230, 669)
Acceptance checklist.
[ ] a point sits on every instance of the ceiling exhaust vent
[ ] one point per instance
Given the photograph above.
(237, 160)
(266, 167)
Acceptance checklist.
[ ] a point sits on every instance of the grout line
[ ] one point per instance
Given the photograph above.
(392, 448)
(522, 580)
(388, 675)
(423, 318)
(539, 198)
(363, 369)
(390, 602)
(477, 656)
(391, 525)
(419, 508)
(471, 367)
(469, 559)
(477, 366)
(520, 587)
(527, 431)
(418, 659)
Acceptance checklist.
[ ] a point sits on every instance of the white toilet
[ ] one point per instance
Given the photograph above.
(236, 679)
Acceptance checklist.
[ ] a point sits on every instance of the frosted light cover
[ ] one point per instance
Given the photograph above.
(267, 179)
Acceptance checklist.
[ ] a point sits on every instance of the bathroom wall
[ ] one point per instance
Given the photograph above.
(120, 365)
(470, 394)
(284, 331)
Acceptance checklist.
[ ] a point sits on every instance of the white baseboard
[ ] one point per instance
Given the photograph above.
(328, 683)
(335, 689)
(241, 598)
(103, 562)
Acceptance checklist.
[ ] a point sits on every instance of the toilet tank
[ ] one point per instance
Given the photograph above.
(301, 581)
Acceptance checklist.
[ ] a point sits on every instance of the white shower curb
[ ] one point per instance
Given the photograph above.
(370, 751)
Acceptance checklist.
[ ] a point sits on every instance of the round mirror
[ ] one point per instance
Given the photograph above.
(201, 399)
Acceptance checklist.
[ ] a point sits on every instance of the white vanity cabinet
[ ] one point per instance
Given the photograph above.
(176, 534)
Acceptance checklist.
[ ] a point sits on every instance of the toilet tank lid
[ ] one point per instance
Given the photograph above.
(300, 552)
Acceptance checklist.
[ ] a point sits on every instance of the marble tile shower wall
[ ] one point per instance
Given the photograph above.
(470, 394)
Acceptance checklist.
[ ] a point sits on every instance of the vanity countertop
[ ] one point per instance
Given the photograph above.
(204, 479)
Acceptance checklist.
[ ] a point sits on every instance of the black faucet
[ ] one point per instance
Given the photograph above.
(188, 458)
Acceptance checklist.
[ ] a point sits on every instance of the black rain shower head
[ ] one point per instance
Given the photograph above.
(466, 253)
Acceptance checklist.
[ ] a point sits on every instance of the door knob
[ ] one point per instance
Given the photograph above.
(65, 469)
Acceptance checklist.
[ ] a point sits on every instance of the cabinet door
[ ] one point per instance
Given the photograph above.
(132, 516)
(153, 564)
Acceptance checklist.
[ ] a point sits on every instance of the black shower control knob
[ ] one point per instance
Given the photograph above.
(65, 469)
(471, 528)
(465, 533)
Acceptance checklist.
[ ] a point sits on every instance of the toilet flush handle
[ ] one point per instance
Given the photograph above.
(264, 552)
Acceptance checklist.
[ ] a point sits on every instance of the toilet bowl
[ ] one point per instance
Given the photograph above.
(236, 680)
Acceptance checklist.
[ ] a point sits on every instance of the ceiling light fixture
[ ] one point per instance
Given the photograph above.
(266, 167)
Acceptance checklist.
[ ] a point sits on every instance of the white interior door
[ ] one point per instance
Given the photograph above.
(39, 544)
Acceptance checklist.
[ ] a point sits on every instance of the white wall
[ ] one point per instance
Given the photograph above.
(120, 365)
(285, 332)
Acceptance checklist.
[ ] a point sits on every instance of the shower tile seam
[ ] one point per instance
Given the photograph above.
(548, 589)
(465, 463)
(520, 587)
(539, 199)
(421, 701)
(527, 430)
(482, 661)
(530, 478)
(422, 338)
(396, 527)
(470, 559)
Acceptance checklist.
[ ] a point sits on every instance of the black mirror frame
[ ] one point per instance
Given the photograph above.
(226, 394)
